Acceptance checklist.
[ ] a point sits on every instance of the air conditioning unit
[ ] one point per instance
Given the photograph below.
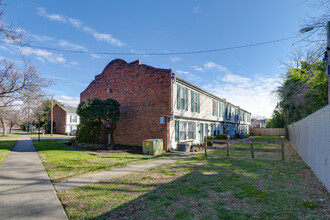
(185, 147)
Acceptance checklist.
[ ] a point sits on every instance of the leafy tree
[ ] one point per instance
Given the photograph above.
(106, 112)
(45, 108)
(277, 120)
(302, 92)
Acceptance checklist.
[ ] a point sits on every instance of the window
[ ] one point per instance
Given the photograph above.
(229, 112)
(220, 109)
(183, 130)
(215, 108)
(194, 101)
(182, 98)
(187, 130)
(73, 118)
(191, 130)
(183, 95)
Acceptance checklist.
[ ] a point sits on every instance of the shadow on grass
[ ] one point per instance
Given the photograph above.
(215, 187)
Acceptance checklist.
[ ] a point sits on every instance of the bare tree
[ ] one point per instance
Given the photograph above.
(7, 31)
(14, 118)
(17, 84)
(316, 38)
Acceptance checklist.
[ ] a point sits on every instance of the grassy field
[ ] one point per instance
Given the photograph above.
(5, 148)
(213, 187)
(9, 136)
(48, 135)
(63, 162)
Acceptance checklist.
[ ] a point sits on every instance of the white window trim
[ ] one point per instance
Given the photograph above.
(187, 131)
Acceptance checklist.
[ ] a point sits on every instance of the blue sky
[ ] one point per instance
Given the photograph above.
(245, 77)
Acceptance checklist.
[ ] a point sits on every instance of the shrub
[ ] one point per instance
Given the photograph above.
(221, 137)
(89, 132)
(210, 143)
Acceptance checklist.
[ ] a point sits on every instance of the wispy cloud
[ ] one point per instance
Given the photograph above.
(43, 55)
(69, 101)
(105, 37)
(253, 93)
(189, 76)
(175, 59)
(197, 10)
(64, 80)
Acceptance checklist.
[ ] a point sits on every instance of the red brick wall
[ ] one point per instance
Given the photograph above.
(59, 118)
(144, 95)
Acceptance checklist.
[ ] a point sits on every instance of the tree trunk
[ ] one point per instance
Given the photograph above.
(112, 142)
(3, 129)
(10, 128)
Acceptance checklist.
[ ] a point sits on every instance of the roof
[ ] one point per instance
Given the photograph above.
(189, 84)
(70, 109)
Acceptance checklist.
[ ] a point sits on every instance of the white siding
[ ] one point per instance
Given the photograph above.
(71, 125)
(205, 116)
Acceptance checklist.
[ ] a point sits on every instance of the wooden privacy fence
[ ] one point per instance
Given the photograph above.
(268, 131)
(251, 142)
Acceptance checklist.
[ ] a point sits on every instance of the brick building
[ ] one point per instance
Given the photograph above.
(65, 118)
(157, 104)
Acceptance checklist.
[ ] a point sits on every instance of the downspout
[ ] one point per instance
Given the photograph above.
(171, 111)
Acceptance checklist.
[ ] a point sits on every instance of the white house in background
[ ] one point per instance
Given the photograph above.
(65, 118)
(198, 113)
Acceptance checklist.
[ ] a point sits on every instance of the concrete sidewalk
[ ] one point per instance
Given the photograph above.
(25, 189)
(117, 172)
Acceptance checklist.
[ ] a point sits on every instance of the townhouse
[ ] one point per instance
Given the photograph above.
(155, 103)
(198, 113)
(65, 118)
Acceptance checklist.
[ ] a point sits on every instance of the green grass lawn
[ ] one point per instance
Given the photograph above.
(63, 162)
(9, 136)
(213, 187)
(48, 135)
(5, 148)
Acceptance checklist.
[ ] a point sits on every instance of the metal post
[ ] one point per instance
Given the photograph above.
(328, 59)
(227, 137)
(51, 119)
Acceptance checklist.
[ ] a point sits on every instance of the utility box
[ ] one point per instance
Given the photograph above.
(153, 146)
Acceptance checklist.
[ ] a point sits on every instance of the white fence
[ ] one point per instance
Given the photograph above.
(311, 139)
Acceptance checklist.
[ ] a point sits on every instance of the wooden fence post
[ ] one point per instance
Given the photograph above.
(205, 147)
(227, 145)
(252, 152)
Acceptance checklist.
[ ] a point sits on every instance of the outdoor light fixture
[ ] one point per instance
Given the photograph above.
(305, 29)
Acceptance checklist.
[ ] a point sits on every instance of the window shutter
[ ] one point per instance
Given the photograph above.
(192, 101)
(213, 107)
(198, 104)
(186, 99)
(211, 129)
(70, 118)
(178, 97)
(177, 131)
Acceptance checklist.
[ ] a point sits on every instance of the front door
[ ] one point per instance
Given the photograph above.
(201, 133)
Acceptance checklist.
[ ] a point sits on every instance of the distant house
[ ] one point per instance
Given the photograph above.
(258, 123)
(155, 103)
(65, 118)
